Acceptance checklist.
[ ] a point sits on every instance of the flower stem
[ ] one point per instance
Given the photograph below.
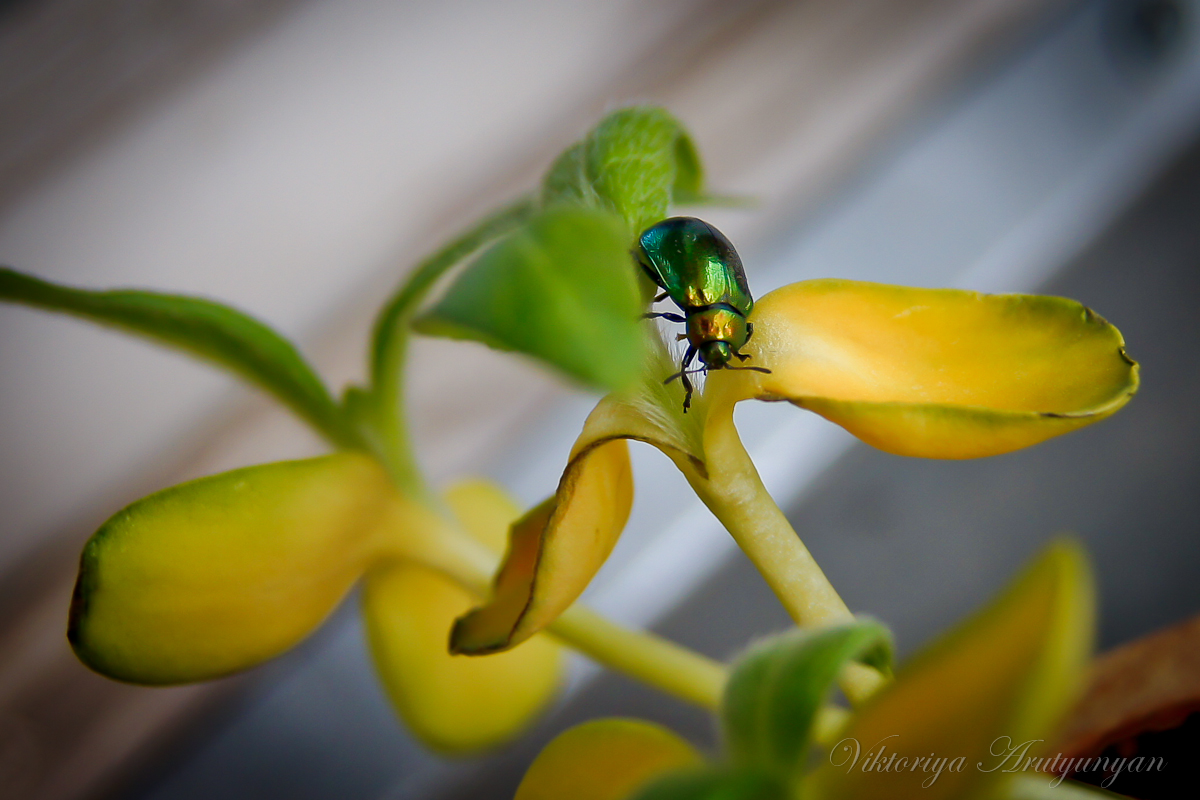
(389, 345)
(735, 493)
(643, 656)
(831, 720)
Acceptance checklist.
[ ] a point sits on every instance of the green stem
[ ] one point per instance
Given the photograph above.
(389, 346)
(735, 493)
(831, 720)
(648, 658)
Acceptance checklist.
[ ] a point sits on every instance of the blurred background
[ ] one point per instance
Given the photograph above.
(295, 157)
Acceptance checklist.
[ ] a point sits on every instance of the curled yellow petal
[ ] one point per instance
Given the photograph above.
(216, 575)
(938, 373)
(605, 759)
(983, 698)
(556, 548)
(454, 704)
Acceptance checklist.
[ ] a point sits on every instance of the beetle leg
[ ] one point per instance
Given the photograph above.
(683, 366)
(662, 296)
(683, 376)
(665, 315)
(679, 337)
(687, 384)
(749, 333)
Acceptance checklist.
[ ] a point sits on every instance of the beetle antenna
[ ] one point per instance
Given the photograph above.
(756, 369)
(664, 315)
(683, 372)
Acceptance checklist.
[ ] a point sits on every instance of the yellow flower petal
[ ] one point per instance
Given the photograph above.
(555, 549)
(605, 759)
(1011, 671)
(219, 574)
(938, 373)
(453, 703)
(558, 546)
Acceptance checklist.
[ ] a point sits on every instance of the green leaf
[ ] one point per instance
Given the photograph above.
(715, 784)
(561, 288)
(568, 181)
(636, 162)
(212, 331)
(776, 691)
(689, 172)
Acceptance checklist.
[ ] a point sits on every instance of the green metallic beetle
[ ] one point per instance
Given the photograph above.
(697, 267)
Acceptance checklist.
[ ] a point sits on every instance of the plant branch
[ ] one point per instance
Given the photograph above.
(389, 345)
(734, 492)
(650, 659)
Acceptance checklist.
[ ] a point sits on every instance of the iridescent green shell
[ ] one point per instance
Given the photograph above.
(695, 264)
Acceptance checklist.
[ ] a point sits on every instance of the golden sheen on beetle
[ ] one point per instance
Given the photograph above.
(699, 269)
